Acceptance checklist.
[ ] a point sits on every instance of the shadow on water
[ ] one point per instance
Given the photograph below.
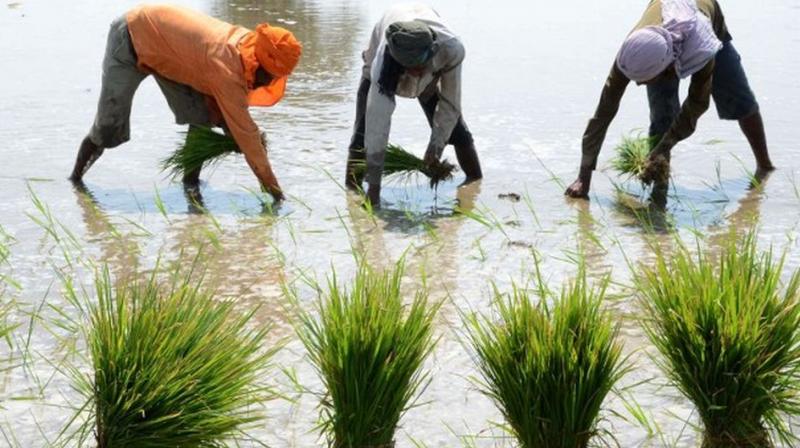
(175, 198)
(637, 207)
(416, 210)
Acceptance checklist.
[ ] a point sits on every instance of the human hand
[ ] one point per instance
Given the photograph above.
(431, 156)
(580, 188)
(657, 168)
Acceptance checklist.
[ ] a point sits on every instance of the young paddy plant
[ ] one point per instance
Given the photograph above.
(203, 147)
(632, 154)
(368, 347)
(400, 162)
(170, 365)
(548, 366)
(728, 332)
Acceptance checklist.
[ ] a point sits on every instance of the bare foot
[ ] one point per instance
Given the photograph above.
(760, 176)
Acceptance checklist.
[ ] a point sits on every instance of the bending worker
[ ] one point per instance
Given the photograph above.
(209, 71)
(676, 39)
(412, 54)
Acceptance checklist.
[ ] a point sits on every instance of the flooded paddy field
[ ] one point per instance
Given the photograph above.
(532, 77)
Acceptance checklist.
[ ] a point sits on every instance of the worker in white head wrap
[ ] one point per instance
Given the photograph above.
(685, 39)
(676, 39)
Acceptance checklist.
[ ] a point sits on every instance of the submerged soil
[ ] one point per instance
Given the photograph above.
(532, 77)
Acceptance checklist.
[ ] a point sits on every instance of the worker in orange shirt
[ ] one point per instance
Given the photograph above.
(209, 71)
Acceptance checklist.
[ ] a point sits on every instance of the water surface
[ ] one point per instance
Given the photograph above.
(532, 77)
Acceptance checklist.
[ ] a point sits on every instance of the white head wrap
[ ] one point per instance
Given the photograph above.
(685, 38)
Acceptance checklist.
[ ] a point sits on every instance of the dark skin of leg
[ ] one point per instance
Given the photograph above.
(753, 129)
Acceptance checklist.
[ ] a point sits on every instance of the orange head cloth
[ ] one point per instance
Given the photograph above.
(277, 51)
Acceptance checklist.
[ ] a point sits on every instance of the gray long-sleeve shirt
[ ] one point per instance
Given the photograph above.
(442, 75)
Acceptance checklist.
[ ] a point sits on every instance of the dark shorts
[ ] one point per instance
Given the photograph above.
(733, 97)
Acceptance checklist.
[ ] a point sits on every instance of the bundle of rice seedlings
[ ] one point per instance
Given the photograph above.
(368, 349)
(549, 367)
(400, 162)
(632, 154)
(728, 332)
(202, 147)
(171, 366)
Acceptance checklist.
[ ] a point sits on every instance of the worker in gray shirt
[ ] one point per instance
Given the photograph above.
(412, 54)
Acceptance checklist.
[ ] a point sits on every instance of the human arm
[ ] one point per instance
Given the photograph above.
(234, 108)
(596, 130)
(695, 105)
(448, 108)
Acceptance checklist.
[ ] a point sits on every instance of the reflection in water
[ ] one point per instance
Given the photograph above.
(591, 249)
(119, 250)
(435, 260)
(742, 221)
(240, 264)
(237, 264)
(248, 256)
(649, 216)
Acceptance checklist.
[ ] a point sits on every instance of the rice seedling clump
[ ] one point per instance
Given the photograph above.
(632, 155)
(203, 147)
(549, 367)
(400, 162)
(368, 349)
(728, 332)
(171, 367)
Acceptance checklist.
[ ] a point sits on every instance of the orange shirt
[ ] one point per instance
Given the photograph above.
(202, 52)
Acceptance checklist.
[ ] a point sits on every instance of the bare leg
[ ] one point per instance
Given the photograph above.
(88, 153)
(753, 128)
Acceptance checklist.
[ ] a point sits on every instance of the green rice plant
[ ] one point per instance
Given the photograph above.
(6, 326)
(549, 366)
(632, 155)
(400, 162)
(728, 331)
(170, 365)
(7, 305)
(203, 147)
(368, 348)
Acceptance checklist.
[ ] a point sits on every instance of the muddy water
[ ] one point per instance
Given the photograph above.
(532, 76)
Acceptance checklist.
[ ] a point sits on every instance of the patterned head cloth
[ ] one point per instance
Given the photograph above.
(646, 53)
(685, 38)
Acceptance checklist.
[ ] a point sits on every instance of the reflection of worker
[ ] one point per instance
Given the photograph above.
(209, 71)
(411, 54)
(676, 39)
